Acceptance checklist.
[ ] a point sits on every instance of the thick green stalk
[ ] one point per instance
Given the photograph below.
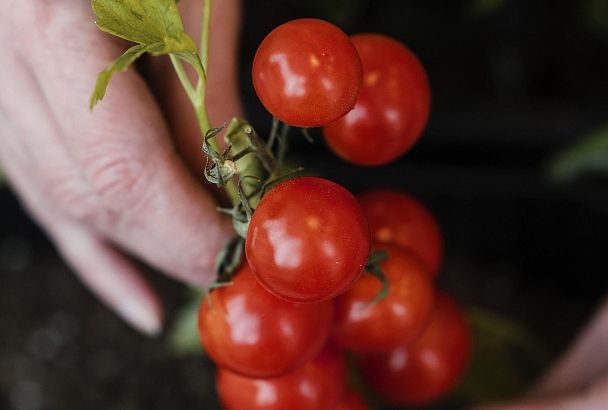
(197, 95)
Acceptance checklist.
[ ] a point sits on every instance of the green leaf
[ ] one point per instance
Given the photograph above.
(505, 358)
(122, 63)
(509, 331)
(590, 155)
(154, 24)
(144, 22)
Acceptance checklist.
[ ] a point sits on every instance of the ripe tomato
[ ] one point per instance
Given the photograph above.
(307, 73)
(428, 368)
(317, 385)
(392, 109)
(395, 217)
(308, 240)
(393, 321)
(352, 401)
(248, 330)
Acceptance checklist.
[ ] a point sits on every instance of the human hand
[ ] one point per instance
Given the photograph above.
(579, 381)
(115, 180)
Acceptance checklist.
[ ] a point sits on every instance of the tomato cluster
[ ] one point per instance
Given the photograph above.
(308, 289)
(276, 351)
(370, 94)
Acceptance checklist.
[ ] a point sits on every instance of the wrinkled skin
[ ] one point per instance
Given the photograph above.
(119, 180)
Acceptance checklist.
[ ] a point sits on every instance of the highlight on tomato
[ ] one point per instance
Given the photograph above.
(392, 109)
(249, 331)
(430, 367)
(395, 217)
(317, 385)
(392, 321)
(307, 73)
(308, 240)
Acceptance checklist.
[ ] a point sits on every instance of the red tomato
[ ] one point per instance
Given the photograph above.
(393, 321)
(307, 73)
(248, 330)
(352, 401)
(397, 218)
(392, 109)
(428, 368)
(308, 240)
(318, 385)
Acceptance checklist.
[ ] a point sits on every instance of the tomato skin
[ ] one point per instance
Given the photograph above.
(254, 333)
(397, 218)
(308, 240)
(393, 321)
(431, 366)
(317, 385)
(392, 109)
(307, 73)
(352, 401)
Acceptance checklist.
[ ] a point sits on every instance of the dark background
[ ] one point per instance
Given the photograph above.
(513, 83)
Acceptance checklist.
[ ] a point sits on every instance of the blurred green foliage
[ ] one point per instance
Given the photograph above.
(182, 338)
(596, 16)
(587, 157)
(506, 358)
(482, 8)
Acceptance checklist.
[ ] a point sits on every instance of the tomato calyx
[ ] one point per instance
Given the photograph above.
(221, 170)
(229, 259)
(374, 268)
(241, 136)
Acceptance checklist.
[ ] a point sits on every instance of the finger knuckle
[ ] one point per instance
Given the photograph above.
(118, 181)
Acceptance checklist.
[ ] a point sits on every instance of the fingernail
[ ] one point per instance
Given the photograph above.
(145, 317)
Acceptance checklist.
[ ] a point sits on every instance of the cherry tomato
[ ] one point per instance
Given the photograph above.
(308, 240)
(248, 330)
(431, 366)
(318, 385)
(307, 73)
(392, 321)
(352, 401)
(392, 109)
(395, 217)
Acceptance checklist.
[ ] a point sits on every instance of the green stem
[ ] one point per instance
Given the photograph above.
(205, 33)
(201, 87)
(232, 191)
(273, 133)
(183, 78)
(197, 95)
